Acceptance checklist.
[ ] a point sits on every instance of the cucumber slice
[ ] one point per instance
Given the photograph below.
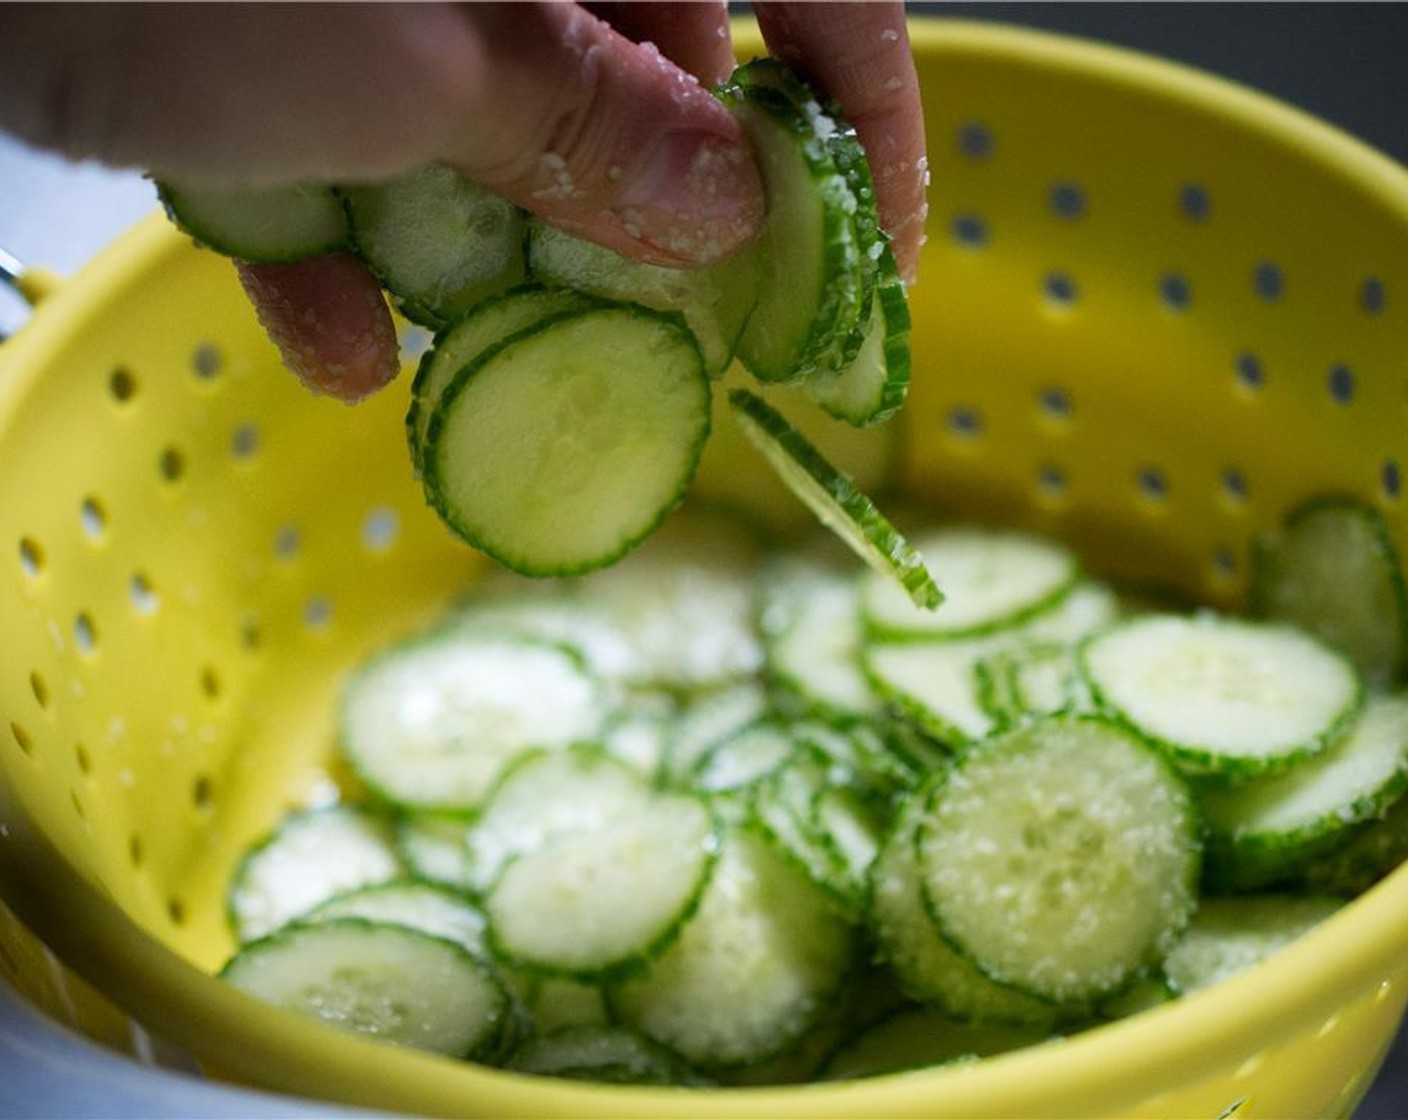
(715, 300)
(430, 909)
(486, 324)
(389, 982)
(310, 857)
(835, 500)
(807, 257)
(432, 846)
(926, 967)
(555, 1004)
(438, 241)
(870, 387)
(561, 450)
(432, 723)
(1265, 831)
(1222, 696)
(743, 759)
(1061, 858)
(262, 225)
(1366, 855)
(617, 895)
(1230, 935)
(811, 624)
(708, 719)
(936, 684)
(588, 1052)
(991, 579)
(919, 1037)
(760, 961)
(684, 602)
(1333, 570)
(544, 797)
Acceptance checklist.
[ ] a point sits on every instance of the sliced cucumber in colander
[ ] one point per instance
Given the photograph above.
(603, 1053)
(438, 241)
(404, 902)
(1230, 935)
(1267, 830)
(309, 858)
(434, 721)
(1222, 696)
(836, 500)
(1333, 570)
(262, 225)
(386, 981)
(1061, 858)
(560, 450)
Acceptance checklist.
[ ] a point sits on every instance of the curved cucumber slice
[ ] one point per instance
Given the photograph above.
(835, 499)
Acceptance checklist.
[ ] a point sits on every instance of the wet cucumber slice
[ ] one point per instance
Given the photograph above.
(262, 225)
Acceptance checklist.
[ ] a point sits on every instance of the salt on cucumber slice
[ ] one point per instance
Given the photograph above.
(807, 257)
(920, 1037)
(431, 723)
(812, 636)
(1061, 858)
(432, 846)
(486, 324)
(870, 387)
(405, 902)
(1267, 830)
(990, 579)
(715, 300)
(588, 1052)
(261, 225)
(1222, 696)
(1333, 570)
(562, 449)
(311, 856)
(709, 718)
(545, 796)
(743, 759)
(754, 968)
(926, 967)
(600, 903)
(836, 500)
(683, 600)
(437, 240)
(936, 685)
(1228, 935)
(386, 981)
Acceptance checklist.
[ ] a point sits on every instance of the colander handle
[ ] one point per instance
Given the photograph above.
(32, 284)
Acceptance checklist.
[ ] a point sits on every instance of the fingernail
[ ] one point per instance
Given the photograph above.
(695, 197)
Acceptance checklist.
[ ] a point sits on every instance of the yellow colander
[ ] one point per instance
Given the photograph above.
(1155, 312)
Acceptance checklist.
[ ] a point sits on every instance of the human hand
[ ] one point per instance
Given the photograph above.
(568, 112)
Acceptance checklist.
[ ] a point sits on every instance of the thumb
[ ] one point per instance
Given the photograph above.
(604, 137)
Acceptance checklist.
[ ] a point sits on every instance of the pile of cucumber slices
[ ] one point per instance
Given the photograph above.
(561, 411)
(731, 813)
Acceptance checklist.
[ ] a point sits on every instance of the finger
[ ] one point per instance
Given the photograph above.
(605, 137)
(693, 34)
(858, 54)
(238, 92)
(329, 320)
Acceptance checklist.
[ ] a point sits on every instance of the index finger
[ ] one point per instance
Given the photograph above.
(858, 54)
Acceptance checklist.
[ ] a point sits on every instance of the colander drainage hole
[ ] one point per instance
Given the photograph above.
(210, 686)
(122, 385)
(1195, 202)
(975, 140)
(1067, 200)
(176, 911)
(143, 594)
(40, 688)
(970, 231)
(1372, 296)
(1060, 290)
(85, 633)
(1391, 478)
(31, 557)
(1269, 281)
(965, 422)
(94, 519)
(1250, 374)
(206, 361)
(1055, 402)
(1234, 486)
(202, 793)
(317, 613)
(136, 850)
(244, 443)
(172, 464)
(83, 759)
(1175, 291)
(380, 528)
(22, 739)
(1341, 381)
(1153, 484)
